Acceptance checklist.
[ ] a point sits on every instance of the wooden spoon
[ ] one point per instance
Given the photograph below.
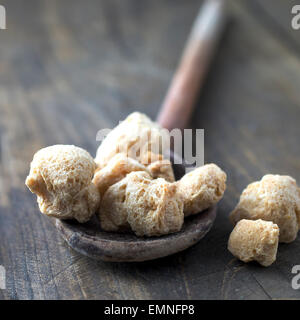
(88, 238)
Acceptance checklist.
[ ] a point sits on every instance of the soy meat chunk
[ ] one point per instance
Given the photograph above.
(254, 240)
(162, 169)
(149, 157)
(61, 177)
(154, 207)
(135, 137)
(146, 206)
(274, 198)
(113, 212)
(116, 169)
(202, 188)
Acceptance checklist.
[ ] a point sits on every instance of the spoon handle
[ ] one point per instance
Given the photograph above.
(189, 77)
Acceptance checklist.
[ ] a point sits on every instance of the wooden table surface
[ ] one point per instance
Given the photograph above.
(69, 68)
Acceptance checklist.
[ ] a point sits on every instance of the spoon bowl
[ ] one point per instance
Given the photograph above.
(90, 240)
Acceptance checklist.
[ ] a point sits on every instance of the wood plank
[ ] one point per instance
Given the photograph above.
(69, 68)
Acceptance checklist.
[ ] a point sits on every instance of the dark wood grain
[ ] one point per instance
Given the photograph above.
(69, 68)
(89, 240)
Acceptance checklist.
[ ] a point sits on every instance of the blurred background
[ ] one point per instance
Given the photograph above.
(69, 68)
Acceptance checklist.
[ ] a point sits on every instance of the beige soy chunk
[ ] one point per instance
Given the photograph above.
(162, 169)
(254, 240)
(149, 157)
(116, 169)
(146, 206)
(158, 166)
(275, 198)
(135, 137)
(61, 177)
(202, 188)
(113, 210)
(154, 206)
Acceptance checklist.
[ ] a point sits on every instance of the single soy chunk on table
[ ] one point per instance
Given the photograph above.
(275, 198)
(61, 177)
(254, 240)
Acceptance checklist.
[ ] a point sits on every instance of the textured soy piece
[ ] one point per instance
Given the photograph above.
(275, 198)
(254, 240)
(135, 137)
(162, 169)
(61, 177)
(154, 206)
(149, 157)
(113, 212)
(116, 169)
(202, 188)
(150, 207)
